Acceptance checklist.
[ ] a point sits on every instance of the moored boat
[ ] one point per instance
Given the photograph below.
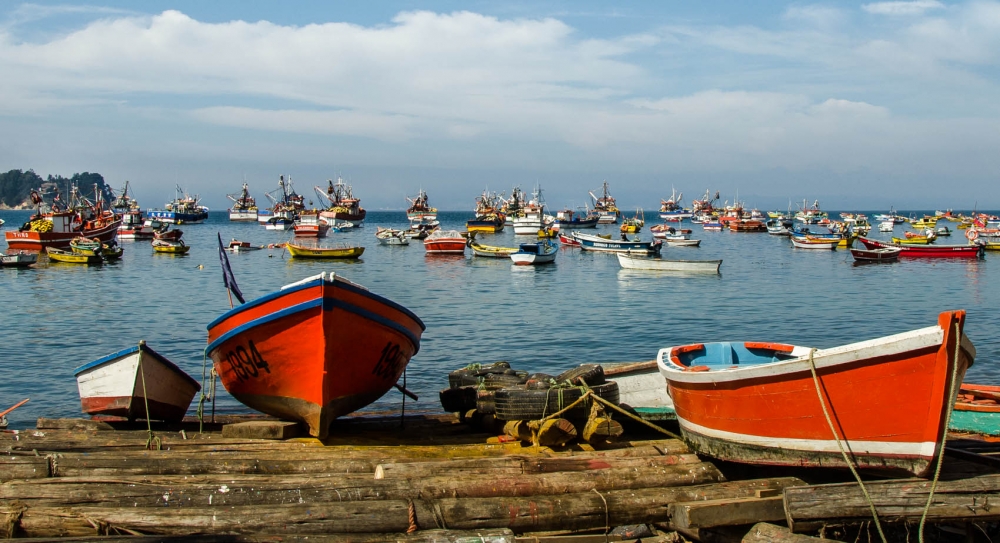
(567, 218)
(632, 262)
(69, 257)
(391, 236)
(977, 410)
(568, 240)
(18, 259)
(489, 251)
(725, 396)
(444, 242)
(184, 209)
(54, 228)
(927, 251)
(302, 251)
(419, 209)
(605, 206)
(314, 350)
(135, 383)
(237, 246)
(279, 223)
(244, 206)
(169, 246)
(814, 243)
(344, 207)
(310, 225)
(590, 242)
(876, 255)
(541, 252)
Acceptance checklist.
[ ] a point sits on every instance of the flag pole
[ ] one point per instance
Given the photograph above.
(230, 293)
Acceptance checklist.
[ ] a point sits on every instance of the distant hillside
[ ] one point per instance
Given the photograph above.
(16, 186)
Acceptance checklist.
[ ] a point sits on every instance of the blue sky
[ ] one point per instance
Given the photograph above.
(860, 105)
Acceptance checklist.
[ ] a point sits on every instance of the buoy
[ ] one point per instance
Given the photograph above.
(972, 234)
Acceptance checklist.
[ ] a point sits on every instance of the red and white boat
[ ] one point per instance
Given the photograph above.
(568, 240)
(444, 242)
(927, 251)
(123, 384)
(57, 229)
(344, 207)
(314, 350)
(166, 234)
(758, 402)
(310, 225)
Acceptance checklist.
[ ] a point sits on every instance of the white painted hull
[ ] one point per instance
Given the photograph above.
(640, 385)
(692, 266)
(527, 259)
(114, 385)
(242, 215)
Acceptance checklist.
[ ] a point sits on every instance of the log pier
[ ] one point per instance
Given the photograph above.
(437, 479)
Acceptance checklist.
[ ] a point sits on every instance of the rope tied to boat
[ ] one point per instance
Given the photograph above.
(151, 440)
(840, 445)
(411, 517)
(589, 393)
(944, 432)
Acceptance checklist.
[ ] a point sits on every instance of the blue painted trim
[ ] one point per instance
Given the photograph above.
(262, 300)
(105, 359)
(263, 320)
(328, 304)
(317, 282)
(146, 350)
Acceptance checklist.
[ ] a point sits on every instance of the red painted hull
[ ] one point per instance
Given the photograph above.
(313, 351)
(449, 243)
(38, 241)
(926, 251)
(887, 397)
(311, 231)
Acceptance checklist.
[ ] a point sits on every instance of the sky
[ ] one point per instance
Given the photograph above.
(858, 105)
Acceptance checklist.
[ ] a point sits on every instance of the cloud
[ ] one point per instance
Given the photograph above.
(915, 7)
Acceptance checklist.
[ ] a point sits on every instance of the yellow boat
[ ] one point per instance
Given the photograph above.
(111, 252)
(170, 247)
(924, 223)
(847, 241)
(58, 255)
(299, 251)
(988, 245)
(916, 240)
(84, 246)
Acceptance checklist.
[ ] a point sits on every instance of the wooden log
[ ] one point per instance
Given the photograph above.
(518, 429)
(963, 500)
(185, 463)
(726, 512)
(602, 429)
(238, 490)
(495, 535)
(262, 429)
(23, 467)
(518, 465)
(553, 432)
(587, 510)
(763, 532)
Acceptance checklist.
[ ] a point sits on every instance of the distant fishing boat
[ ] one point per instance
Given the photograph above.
(314, 350)
(183, 209)
(58, 225)
(126, 383)
(419, 209)
(343, 207)
(244, 206)
(605, 206)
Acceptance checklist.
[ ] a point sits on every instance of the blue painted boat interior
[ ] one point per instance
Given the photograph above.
(727, 353)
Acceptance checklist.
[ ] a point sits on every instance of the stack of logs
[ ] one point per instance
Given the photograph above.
(62, 482)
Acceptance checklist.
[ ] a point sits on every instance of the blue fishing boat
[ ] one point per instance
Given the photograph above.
(590, 242)
(182, 210)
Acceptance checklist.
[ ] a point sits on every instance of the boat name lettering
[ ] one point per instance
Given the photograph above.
(246, 363)
(388, 364)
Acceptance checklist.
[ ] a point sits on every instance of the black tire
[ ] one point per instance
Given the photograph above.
(458, 400)
(496, 381)
(591, 374)
(534, 404)
(485, 402)
(469, 376)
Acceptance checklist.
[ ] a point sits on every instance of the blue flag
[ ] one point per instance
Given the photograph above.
(227, 274)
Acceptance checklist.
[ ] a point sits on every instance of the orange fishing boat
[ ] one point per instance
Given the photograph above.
(314, 350)
(883, 405)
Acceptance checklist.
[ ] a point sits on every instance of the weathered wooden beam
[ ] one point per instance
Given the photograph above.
(239, 490)
(495, 535)
(764, 532)
(262, 429)
(519, 465)
(726, 512)
(578, 511)
(964, 500)
(23, 467)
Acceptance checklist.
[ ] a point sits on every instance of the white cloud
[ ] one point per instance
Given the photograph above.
(915, 7)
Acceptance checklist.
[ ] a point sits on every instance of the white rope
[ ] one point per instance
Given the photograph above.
(847, 460)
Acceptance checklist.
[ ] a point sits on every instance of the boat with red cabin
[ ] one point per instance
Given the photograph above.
(314, 350)
(56, 227)
(344, 207)
(310, 225)
(774, 404)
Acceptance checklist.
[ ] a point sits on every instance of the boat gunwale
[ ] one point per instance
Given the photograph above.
(316, 281)
(913, 340)
(141, 348)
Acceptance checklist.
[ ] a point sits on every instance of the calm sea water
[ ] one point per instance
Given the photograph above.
(550, 318)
